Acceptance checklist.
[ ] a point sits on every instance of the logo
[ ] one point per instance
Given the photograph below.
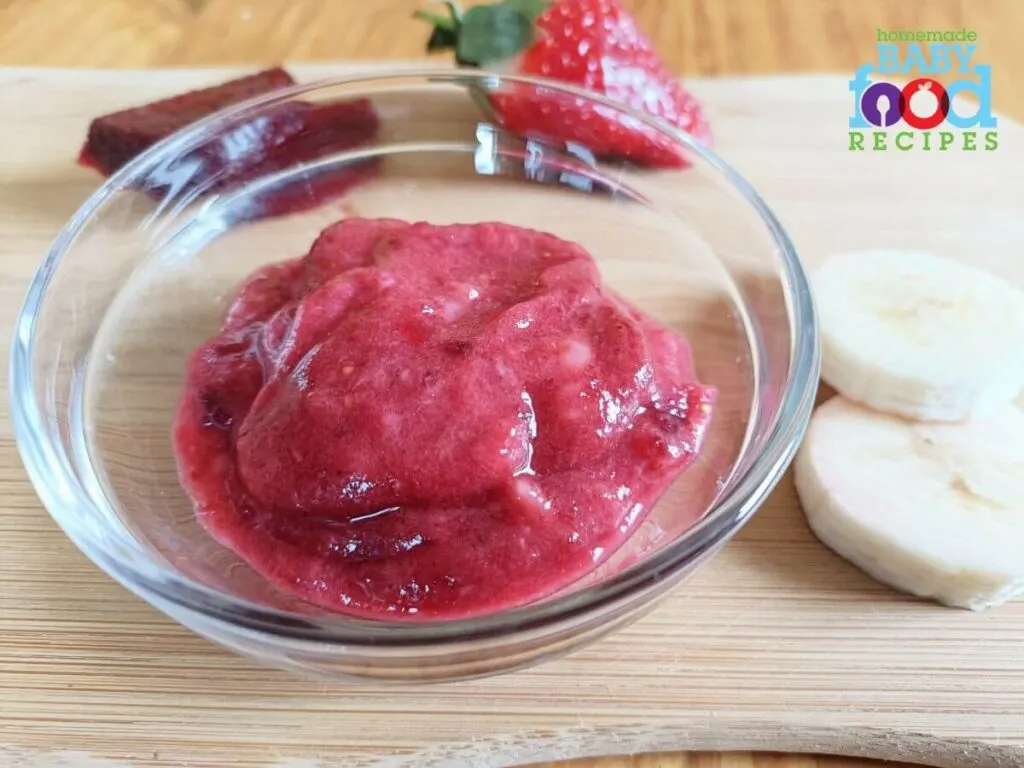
(921, 114)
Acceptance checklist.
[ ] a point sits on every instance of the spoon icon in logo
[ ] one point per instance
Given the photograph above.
(883, 105)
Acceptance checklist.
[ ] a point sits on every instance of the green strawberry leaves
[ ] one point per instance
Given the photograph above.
(485, 34)
(492, 33)
(531, 9)
(446, 30)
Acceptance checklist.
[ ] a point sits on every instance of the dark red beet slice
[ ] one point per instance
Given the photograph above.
(297, 197)
(294, 133)
(116, 138)
(327, 128)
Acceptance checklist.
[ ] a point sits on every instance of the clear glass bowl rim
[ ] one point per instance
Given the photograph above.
(45, 458)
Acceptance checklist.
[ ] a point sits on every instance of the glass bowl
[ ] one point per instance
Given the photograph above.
(141, 274)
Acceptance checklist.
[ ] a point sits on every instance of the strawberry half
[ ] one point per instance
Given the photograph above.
(594, 44)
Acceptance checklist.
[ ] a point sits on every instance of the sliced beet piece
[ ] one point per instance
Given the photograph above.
(293, 133)
(297, 197)
(116, 138)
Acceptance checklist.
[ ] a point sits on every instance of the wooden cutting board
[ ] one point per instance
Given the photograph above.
(775, 645)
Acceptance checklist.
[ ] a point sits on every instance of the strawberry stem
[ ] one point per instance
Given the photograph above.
(446, 29)
(439, 21)
(485, 34)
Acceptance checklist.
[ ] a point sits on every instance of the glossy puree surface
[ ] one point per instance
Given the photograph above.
(426, 422)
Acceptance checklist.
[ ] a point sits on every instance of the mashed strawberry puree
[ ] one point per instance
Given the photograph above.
(423, 422)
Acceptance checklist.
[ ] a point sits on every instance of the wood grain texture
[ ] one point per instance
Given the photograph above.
(695, 36)
(705, 37)
(775, 645)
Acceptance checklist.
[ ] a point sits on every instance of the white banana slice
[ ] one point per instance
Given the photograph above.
(933, 509)
(918, 335)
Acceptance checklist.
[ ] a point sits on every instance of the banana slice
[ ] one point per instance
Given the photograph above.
(936, 510)
(918, 335)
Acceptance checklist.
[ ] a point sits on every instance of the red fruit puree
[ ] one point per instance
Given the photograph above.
(426, 422)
